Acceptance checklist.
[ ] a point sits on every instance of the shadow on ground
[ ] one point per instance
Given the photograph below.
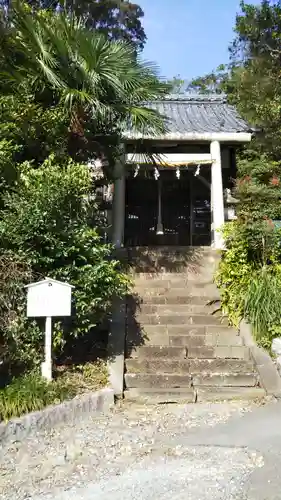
(166, 259)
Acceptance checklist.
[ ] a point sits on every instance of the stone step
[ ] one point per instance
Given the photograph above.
(223, 337)
(177, 308)
(186, 251)
(224, 352)
(177, 335)
(165, 352)
(154, 339)
(157, 365)
(205, 276)
(228, 393)
(172, 260)
(180, 319)
(225, 379)
(203, 273)
(221, 330)
(179, 281)
(150, 335)
(185, 299)
(157, 330)
(193, 366)
(163, 338)
(220, 365)
(187, 291)
(189, 257)
(187, 341)
(161, 381)
(160, 396)
(189, 330)
(204, 340)
(192, 352)
(147, 331)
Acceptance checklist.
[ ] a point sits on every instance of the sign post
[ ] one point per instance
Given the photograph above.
(48, 298)
(46, 367)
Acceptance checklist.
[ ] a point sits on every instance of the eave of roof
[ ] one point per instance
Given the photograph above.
(196, 117)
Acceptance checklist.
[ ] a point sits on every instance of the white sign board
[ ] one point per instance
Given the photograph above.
(49, 298)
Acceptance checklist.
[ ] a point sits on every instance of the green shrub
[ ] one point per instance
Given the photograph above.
(31, 393)
(234, 272)
(249, 277)
(258, 189)
(262, 303)
(30, 131)
(20, 338)
(85, 377)
(50, 223)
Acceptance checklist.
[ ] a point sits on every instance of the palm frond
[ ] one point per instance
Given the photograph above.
(86, 71)
(51, 76)
(146, 121)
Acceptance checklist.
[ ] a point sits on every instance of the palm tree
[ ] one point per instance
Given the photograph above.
(95, 79)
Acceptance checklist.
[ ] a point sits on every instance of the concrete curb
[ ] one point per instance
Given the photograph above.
(67, 412)
(268, 373)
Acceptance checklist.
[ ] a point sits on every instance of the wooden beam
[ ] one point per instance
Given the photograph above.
(172, 159)
(226, 137)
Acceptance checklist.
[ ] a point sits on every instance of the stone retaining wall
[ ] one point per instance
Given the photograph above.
(67, 412)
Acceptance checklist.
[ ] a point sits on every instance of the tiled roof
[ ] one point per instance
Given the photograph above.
(199, 114)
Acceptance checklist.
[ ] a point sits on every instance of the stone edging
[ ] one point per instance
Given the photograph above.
(268, 373)
(67, 412)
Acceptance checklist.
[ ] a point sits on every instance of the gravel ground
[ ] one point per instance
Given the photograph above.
(126, 453)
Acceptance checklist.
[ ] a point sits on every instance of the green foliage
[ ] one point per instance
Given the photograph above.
(216, 82)
(117, 19)
(85, 377)
(30, 130)
(49, 223)
(262, 301)
(31, 393)
(67, 94)
(20, 339)
(255, 61)
(249, 273)
(177, 85)
(251, 80)
(234, 272)
(212, 83)
(258, 30)
(8, 174)
(273, 331)
(258, 188)
(94, 79)
(68, 90)
(249, 277)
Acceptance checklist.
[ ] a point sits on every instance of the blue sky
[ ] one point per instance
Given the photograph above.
(188, 37)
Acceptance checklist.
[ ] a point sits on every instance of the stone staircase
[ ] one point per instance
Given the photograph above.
(178, 348)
